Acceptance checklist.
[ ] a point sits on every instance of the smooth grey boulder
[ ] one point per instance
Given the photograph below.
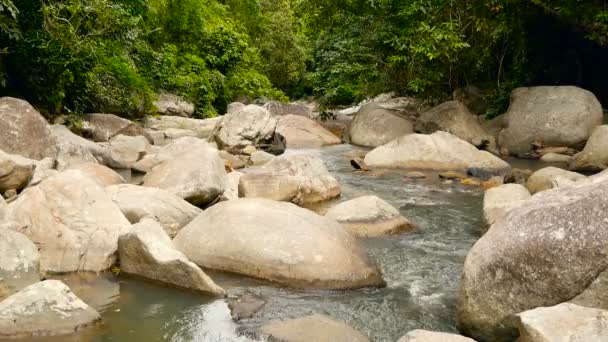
(147, 251)
(318, 328)
(297, 178)
(277, 241)
(74, 149)
(46, 308)
(172, 150)
(281, 108)
(103, 127)
(552, 157)
(454, 117)
(251, 126)
(15, 171)
(374, 125)
(197, 176)
(437, 151)
(19, 262)
(546, 178)
(139, 202)
(202, 127)
(103, 175)
(543, 253)
(72, 220)
(594, 157)
(369, 216)
(24, 131)
(302, 132)
(498, 201)
(555, 115)
(171, 104)
(563, 323)
(124, 151)
(420, 335)
(260, 158)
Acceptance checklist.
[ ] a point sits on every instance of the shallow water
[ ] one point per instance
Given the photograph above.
(422, 271)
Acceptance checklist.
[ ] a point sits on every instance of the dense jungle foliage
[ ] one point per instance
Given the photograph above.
(117, 55)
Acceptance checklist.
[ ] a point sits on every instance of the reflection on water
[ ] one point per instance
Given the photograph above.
(422, 271)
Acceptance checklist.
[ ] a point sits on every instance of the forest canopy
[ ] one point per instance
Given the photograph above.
(76, 56)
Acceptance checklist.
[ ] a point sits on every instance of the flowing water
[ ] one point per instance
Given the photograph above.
(422, 271)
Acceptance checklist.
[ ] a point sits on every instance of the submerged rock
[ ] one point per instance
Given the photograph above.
(419, 335)
(279, 242)
(47, 308)
(19, 262)
(147, 251)
(302, 132)
(369, 216)
(374, 125)
(545, 178)
(245, 306)
(498, 201)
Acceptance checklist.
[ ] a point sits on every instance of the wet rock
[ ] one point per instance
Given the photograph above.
(103, 127)
(15, 171)
(374, 126)
(318, 328)
(252, 126)
(23, 131)
(202, 127)
(301, 179)
(101, 174)
(72, 220)
(454, 117)
(245, 306)
(453, 175)
(277, 241)
(124, 151)
(171, 104)
(540, 254)
(19, 262)
(74, 149)
(440, 151)
(138, 202)
(302, 132)
(594, 156)
(545, 178)
(47, 308)
(563, 322)
(260, 158)
(498, 201)
(369, 216)
(555, 158)
(147, 251)
(558, 116)
(419, 335)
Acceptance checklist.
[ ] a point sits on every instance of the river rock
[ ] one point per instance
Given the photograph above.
(202, 127)
(24, 131)
(471, 97)
(252, 126)
(235, 107)
(100, 173)
(72, 220)
(302, 132)
(545, 178)
(147, 251)
(19, 262)
(277, 241)
(281, 108)
(594, 156)
(260, 158)
(124, 151)
(318, 328)
(298, 178)
(197, 176)
(369, 216)
(563, 323)
(455, 117)
(15, 171)
(245, 306)
(74, 149)
(498, 201)
(171, 104)
(556, 115)
(439, 151)
(419, 335)
(103, 127)
(540, 254)
(47, 308)
(232, 186)
(374, 126)
(552, 157)
(139, 202)
(172, 150)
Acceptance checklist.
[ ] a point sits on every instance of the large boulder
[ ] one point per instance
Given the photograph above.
(202, 127)
(282, 108)
(139, 202)
(19, 262)
(299, 178)
(317, 328)
(557, 116)
(251, 126)
(546, 178)
(147, 251)
(542, 253)
(594, 156)
(455, 117)
(374, 126)
(24, 131)
(471, 97)
(439, 151)
(175, 148)
(277, 241)
(170, 104)
(197, 176)
(103, 175)
(47, 308)
(74, 149)
(498, 201)
(563, 323)
(72, 220)
(124, 151)
(15, 171)
(103, 127)
(302, 132)
(369, 216)
(419, 335)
